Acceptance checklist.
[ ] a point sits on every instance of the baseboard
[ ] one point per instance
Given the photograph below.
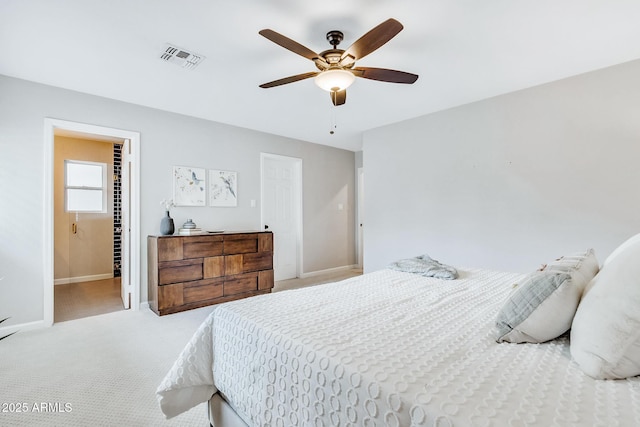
(21, 327)
(67, 280)
(144, 305)
(328, 270)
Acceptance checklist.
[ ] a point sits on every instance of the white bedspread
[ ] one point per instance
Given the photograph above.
(388, 349)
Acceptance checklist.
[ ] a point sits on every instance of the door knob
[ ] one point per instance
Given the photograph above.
(266, 227)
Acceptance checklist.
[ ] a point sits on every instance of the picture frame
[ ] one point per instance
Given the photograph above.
(189, 186)
(223, 188)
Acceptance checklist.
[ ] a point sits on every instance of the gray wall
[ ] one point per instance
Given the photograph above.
(509, 182)
(167, 139)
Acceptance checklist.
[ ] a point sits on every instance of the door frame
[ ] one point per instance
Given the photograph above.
(359, 219)
(50, 125)
(297, 202)
(126, 287)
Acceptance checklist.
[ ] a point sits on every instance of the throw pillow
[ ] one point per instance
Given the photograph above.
(542, 307)
(605, 334)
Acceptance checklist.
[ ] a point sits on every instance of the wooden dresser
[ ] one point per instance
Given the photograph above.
(187, 272)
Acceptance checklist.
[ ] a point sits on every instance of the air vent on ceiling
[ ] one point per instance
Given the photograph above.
(181, 57)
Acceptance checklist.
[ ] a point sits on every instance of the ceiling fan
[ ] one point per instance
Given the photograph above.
(336, 67)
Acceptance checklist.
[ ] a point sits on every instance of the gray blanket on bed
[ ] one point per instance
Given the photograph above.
(424, 265)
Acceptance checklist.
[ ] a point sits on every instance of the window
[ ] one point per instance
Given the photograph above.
(85, 185)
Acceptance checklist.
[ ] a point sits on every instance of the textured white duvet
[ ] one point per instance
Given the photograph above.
(388, 349)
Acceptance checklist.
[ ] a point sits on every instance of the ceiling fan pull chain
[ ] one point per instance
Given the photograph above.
(332, 119)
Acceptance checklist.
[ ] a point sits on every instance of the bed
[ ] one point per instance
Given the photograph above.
(388, 348)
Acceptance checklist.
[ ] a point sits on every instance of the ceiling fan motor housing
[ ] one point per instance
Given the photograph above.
(331, 57)
(335, 37)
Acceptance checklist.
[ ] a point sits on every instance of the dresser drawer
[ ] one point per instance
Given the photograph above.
(169, 249)
(202, 249)
(203, 290)
(240, 244)
(241, 284)
(257, 261)
(170, 296)
(179, 271)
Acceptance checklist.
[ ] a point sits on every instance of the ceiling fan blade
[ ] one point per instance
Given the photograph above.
(371, 41)
(384, 75)
(289, 79)
(338, 97)
(291, 45)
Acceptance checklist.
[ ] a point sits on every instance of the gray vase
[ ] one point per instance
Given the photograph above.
(166, 225)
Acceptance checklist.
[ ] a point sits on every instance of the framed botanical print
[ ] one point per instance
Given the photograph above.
(189, 186)
(223, 188)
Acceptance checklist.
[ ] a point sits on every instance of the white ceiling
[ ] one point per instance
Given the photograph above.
(463, 50)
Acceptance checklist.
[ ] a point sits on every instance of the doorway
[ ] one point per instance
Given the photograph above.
(360, 219)
(128, 285)
(281, 212)
(87, 177)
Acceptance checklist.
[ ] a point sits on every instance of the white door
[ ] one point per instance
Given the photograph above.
(360, 218)
(281, 211)
(125, 275)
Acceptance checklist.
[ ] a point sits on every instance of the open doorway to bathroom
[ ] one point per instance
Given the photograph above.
(87, 225)
(92, 220)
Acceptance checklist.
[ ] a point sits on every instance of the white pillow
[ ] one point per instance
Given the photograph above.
(621, 248)
(605, 334)
(542, 307)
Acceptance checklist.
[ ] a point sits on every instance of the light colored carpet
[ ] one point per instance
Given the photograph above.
(105, 369)
(101, 370)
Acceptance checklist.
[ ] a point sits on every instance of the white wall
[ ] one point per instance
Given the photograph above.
(510, 182)
(167, 139)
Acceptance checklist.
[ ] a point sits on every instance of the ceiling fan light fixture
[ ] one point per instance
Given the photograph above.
(334, 80)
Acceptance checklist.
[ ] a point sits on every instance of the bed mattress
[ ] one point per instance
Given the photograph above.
(388, 349)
